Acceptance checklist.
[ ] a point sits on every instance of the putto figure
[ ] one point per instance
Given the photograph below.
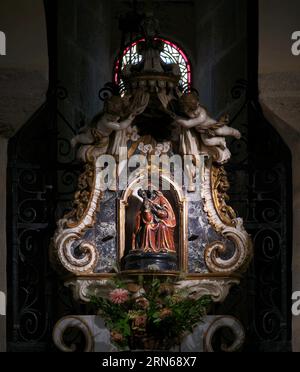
(117, 116)
(155, 224)
(212, 133)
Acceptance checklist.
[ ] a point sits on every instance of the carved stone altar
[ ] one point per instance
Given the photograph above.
(190, 232)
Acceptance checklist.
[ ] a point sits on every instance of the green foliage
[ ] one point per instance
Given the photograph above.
(153, 309)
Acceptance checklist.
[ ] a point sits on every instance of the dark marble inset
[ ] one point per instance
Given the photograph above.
(200, 234)
(104, 233)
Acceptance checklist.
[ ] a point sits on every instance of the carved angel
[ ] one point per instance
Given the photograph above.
(212, 133)
(104, 124)
(117, 116)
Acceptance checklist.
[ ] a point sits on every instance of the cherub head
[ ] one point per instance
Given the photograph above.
(190, 105)
(114, 107)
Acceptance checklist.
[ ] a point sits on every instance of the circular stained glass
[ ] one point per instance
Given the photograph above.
(171, 54)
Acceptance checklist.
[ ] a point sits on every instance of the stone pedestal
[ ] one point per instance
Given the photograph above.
(97, 336)
(137, 260)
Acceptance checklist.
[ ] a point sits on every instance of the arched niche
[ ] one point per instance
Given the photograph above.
(129, 205)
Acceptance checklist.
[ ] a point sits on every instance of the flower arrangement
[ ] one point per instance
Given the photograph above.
(151, 314)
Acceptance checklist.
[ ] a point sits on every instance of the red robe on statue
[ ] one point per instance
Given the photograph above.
(155, 227)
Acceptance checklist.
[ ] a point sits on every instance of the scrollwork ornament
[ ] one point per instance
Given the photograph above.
(217, 289)
(78, 323)
(108, 91)
(240, 88)
(82, 196)
(220, 187)
(224, 221)
(61, 92)
(225, 322)
(84, 289)
(74, 253)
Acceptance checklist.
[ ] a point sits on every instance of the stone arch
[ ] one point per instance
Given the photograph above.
(182, 228)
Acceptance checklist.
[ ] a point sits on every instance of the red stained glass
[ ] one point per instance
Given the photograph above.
(172, 53)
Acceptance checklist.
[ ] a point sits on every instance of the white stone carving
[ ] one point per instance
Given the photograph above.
(225, 322)
(217, 288)
(83, 289)
(66, 237)
(201, 339)
(97, 336)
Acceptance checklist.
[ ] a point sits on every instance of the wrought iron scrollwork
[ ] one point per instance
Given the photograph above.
(109, 90)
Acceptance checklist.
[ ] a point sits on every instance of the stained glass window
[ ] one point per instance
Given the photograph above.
(171, 53)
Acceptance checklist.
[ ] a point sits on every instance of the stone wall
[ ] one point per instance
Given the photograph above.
(279, 84)
(83, 55)
(83, 68)
(221, 32)
(178, 19)
(222, 60)
(280, 99)
(221, 56)
(23, 87)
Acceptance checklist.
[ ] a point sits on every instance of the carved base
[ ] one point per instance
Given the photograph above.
(150, 261)
(218, 288)
(97, 336)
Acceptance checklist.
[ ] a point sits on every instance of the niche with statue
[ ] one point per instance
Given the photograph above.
(152, 201)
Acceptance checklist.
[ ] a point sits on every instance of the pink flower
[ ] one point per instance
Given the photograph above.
(116, 337)
(142, 303)
(165, 313)
(119, 296)
(139, 322)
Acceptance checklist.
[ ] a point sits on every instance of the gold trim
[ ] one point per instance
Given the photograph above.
(219, 188)
(220, 216)
(71, 230)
